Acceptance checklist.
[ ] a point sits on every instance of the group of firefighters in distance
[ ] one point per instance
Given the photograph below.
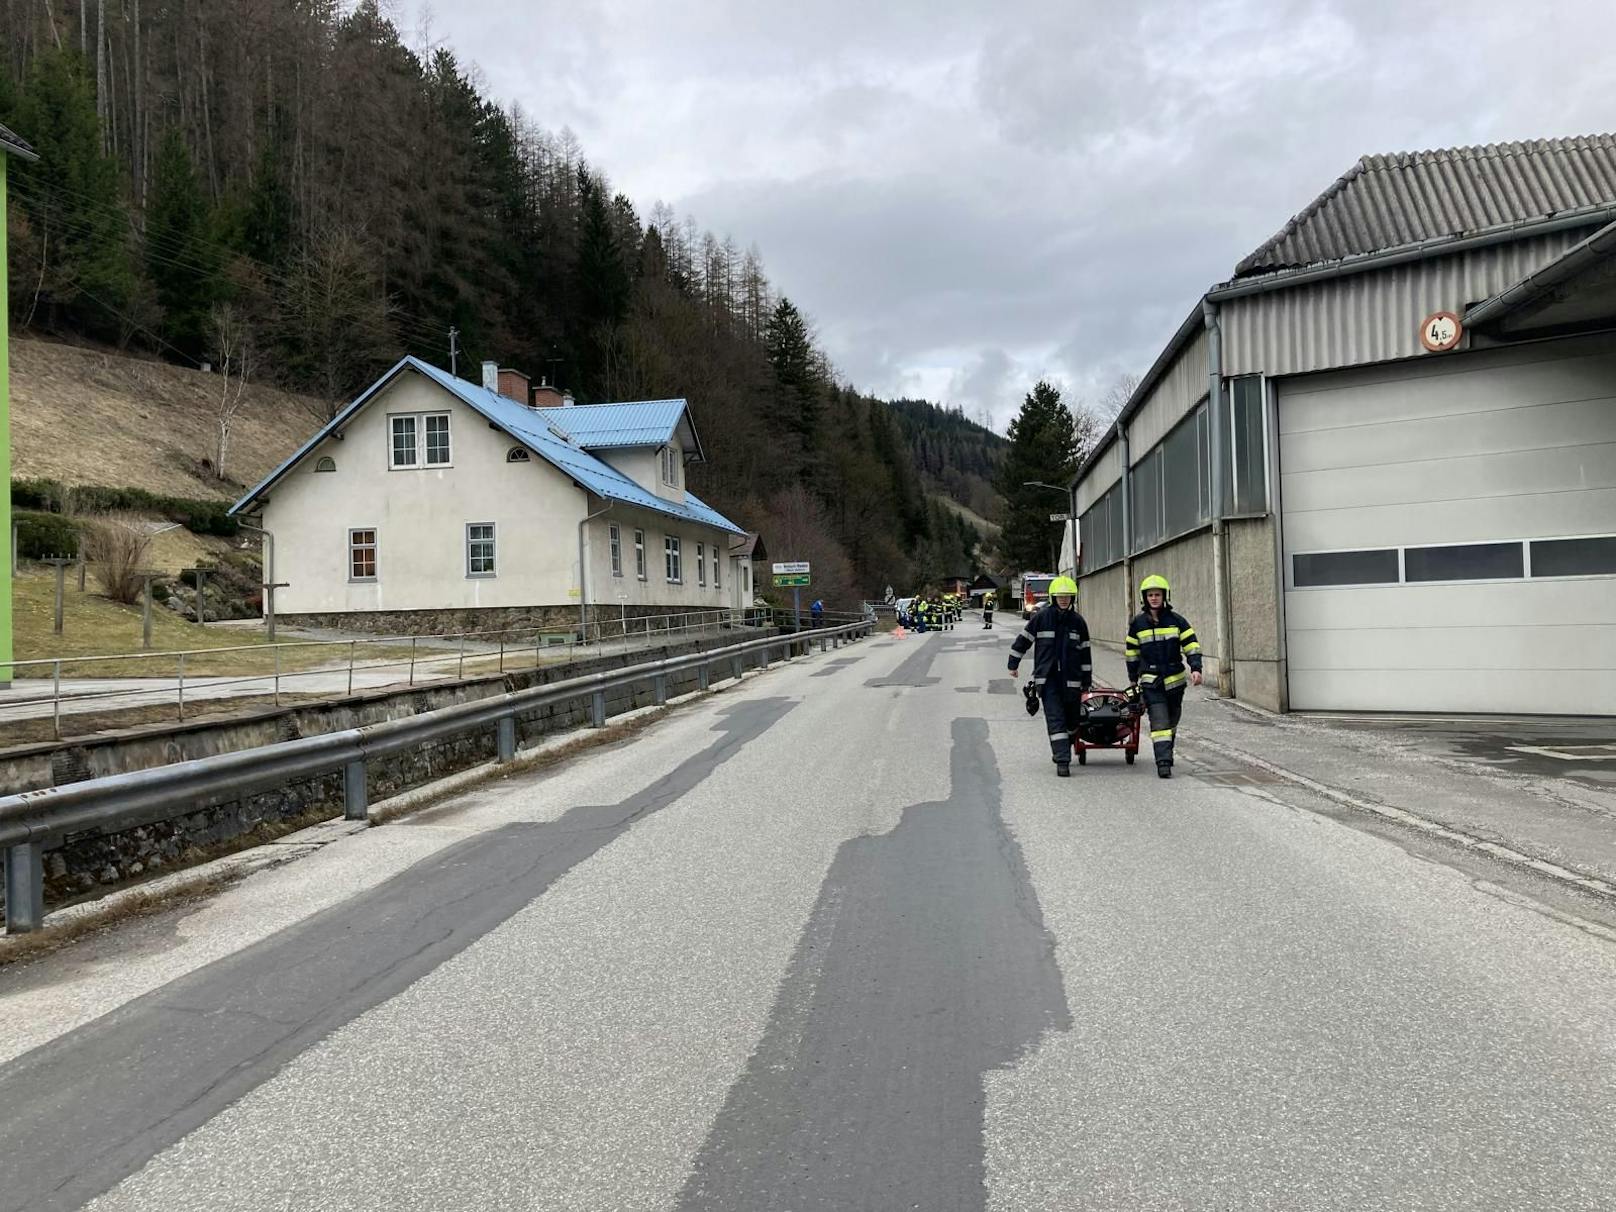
(936, 613)
(1159, 643)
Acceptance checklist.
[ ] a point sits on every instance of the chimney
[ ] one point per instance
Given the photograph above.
(546, 396)
(513, 385)
(567, 401)
(490, 376)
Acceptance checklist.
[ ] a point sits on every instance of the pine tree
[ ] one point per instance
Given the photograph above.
(182, 258)
(1043, 447)
(72, 203)
(791, 355)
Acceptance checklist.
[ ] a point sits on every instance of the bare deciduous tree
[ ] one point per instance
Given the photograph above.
(231, 339)
(1115, 397)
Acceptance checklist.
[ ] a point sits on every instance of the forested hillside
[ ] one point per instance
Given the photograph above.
(955, 456)
(286, 184)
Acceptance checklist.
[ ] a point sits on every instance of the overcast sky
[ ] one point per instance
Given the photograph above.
(967, 196)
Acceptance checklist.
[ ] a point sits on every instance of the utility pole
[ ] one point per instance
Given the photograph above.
(454, 350)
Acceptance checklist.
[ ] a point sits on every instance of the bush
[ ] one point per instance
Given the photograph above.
(115, 545)
(42, 536)
(160, 591)
(200, 517)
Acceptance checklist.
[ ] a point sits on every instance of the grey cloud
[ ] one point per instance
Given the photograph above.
(967, 197)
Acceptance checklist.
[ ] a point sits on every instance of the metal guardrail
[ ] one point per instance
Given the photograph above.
(429, 655)
(33, 821)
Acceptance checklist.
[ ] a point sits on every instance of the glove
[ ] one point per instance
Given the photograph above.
(1031, 695)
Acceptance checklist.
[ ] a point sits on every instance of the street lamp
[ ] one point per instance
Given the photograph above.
(1070, 494)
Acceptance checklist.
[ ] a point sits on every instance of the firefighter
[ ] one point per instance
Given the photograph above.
(1159, 642)
(987, 612)
(1061, 666)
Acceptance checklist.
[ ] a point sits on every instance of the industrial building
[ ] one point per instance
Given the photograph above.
(1405, 496)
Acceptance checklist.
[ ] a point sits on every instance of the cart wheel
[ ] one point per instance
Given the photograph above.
(1082, 757)
(1130, 756)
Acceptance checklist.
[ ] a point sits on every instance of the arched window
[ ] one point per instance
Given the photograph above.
(517, 454)
(326, 463)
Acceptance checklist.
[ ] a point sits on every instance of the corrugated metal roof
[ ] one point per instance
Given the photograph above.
(609, 426)
(15, 145)
(533, 431)
(1394, 200)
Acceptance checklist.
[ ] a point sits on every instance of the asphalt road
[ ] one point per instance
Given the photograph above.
(838, 939)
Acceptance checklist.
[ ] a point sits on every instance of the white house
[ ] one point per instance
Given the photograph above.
(432, 504)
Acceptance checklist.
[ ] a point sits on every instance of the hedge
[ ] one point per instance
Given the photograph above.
(43, 536)
(51, 496)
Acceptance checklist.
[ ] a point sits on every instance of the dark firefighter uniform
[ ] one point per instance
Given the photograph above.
(1061, 670)
(1157, 647)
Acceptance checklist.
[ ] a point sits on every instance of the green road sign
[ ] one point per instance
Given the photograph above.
(794, 580)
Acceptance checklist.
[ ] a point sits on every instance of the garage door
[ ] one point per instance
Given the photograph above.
(1450, 533)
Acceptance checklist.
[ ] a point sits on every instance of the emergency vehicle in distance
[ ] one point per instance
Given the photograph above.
(1034, 591)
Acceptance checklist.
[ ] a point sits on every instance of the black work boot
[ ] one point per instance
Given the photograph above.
(1063, 770)
(1164, 770)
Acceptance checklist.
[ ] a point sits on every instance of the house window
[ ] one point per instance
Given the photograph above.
(327, 463)
(517, 454)
(407, 448)
(716, 585)
(670, 558)
(437, 439)
(479, 549)
(404, 442)
(639, 554)
(701, 565)
(361, 555)
(670, 466)
(746, 578)
(617, 549)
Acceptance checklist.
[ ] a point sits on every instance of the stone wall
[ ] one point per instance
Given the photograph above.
(561, 619)
(91, 860)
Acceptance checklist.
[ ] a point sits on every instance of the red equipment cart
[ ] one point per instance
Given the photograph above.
(1108, 718)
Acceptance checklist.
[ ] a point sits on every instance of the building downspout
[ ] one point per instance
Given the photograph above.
(1220, 572)
(1127, 518)
(583, 568)
(269, 585)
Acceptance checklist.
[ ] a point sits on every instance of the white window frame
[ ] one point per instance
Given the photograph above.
(374, 547)
(614, 537)
(670, 466)
(701, 565)
(639, 554)
(418, 427)
(493, 551)
(716, 584)
(672, 560)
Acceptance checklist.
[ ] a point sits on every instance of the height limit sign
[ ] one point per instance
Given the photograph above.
(793, 574)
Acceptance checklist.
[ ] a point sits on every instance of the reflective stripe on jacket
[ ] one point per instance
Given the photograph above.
(1044, 634)
(1157, 648)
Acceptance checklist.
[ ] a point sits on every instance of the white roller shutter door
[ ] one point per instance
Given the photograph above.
(1450, 533)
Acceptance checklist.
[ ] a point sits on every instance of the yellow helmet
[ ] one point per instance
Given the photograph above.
(1062, 585)
(1155, 582)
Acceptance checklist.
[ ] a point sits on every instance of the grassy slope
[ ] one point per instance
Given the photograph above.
(986, 527)
(88, 416)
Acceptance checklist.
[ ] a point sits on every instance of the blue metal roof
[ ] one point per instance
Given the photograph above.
(610, 426)
(533, 430)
